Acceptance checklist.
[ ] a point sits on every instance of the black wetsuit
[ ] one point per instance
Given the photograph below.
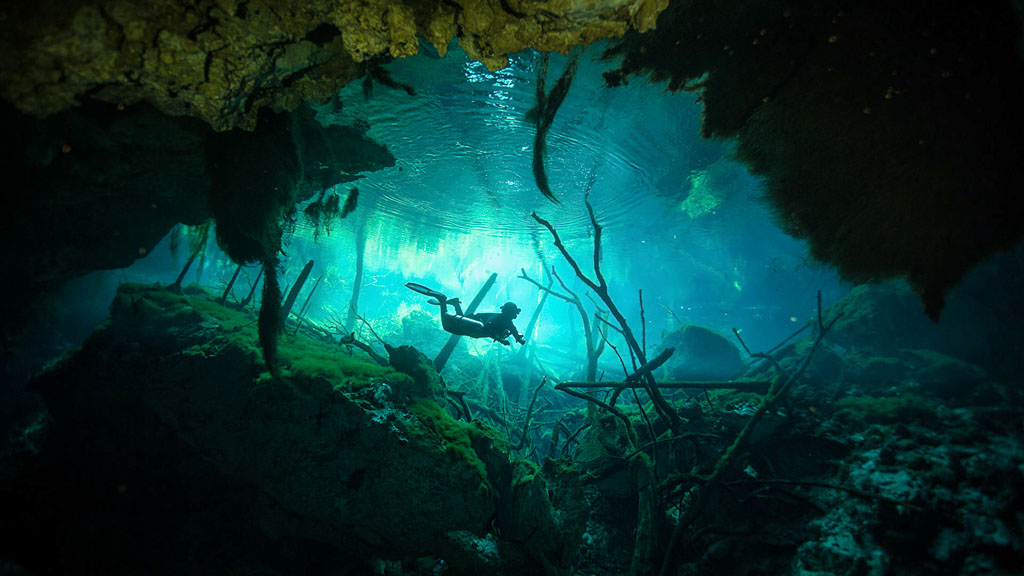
(497, 326)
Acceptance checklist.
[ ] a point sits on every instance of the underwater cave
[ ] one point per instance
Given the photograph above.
(511, 287)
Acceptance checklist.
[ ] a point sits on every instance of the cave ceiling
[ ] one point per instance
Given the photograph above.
(224, 60)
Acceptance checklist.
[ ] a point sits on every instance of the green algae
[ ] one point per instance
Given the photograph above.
(301, 357)
(154, 302)
(456, 436)
(525, 473)
(883, 409)
(305, 357)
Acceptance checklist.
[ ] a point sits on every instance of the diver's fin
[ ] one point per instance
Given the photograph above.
(434, 301)
(421, 289)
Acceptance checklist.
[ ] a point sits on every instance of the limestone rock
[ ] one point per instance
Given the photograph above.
(335, 466)
(701, 354)
(224, 60)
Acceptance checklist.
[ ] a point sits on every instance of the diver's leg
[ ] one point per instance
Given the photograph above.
(438, 299)
(448, 322)
(458, 306)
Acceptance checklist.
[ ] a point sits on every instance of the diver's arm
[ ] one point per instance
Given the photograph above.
(519, 337)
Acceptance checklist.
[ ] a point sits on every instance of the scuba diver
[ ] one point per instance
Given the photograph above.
(497, 326)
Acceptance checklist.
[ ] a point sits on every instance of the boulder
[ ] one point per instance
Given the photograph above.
(338, 457)
(701, 354)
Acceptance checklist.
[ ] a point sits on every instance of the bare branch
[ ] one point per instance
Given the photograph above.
(529, 412)
(778, 388)
(601, 289)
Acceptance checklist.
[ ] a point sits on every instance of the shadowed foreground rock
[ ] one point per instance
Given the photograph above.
(171, 450)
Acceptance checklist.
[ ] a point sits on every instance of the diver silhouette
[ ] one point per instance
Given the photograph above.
(497, 326)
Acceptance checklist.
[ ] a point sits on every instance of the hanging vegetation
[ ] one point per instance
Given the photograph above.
(543, 114)
(255, 180)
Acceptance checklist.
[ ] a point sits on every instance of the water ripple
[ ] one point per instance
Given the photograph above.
(464, 150)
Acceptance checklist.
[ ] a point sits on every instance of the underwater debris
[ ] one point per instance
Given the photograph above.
(231, 283)
(305, 304)
(252, 290)
(777, 391)
(529, 415)
(543, 114)
(351, 340)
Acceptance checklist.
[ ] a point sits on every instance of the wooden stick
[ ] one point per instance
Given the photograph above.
(643, 322)
(294, 292)
(529, 413)
(741, 385)
(600, 287)
(199, 246)
(305, 305)
(224, 296)
(605, 405)
(593, 353)
(357, 282)
(252, 290)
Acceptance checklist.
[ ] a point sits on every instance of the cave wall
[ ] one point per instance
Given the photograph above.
(887, 135)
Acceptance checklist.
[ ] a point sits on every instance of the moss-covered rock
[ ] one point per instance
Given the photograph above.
(420, 369)
(864, 410)
(337, 463)
(871, 373)
(701, 354)
(544, 514)
(881, 318)
(326, 456)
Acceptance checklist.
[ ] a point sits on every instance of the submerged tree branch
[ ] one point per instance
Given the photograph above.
(593, 352)
(775, 392)
(600, 287)
(529, 413)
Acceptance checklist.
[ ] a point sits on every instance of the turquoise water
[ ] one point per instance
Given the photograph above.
(681, 219)
(899, 442)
